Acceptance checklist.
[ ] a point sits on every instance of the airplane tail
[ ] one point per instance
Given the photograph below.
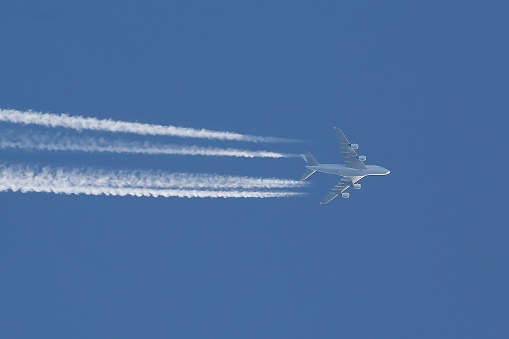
(311, 161)
(307, 174)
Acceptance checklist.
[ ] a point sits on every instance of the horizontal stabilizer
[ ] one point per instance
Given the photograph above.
(329, 198)
(307, 174)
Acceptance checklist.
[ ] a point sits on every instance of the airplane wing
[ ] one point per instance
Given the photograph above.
(339, 188)
(349, 154)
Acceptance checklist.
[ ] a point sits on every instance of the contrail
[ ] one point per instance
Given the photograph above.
(81, 123)
(141, 178)
(139, 183)
(25, 187)
(45, 142)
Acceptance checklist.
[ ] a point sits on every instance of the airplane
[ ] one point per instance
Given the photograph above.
(351, 171)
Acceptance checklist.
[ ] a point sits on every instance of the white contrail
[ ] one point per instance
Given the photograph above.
(139, 183)
(44, 142)
(142, 178)
(81, 123)
(26, 187)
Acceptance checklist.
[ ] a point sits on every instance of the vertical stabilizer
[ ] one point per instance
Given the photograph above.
(310, 159)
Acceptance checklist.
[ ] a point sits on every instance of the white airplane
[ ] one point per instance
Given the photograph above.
(351, 172)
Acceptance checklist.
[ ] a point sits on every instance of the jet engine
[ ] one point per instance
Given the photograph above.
(354, 146)
(345, 195)
(356, 186)
(362, 157)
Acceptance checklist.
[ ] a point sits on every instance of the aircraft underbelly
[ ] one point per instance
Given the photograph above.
(350, 172)
(338, 170)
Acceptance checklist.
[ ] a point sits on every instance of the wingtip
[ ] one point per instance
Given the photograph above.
(338, 130)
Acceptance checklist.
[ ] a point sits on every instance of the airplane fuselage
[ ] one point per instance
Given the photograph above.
(342, 170)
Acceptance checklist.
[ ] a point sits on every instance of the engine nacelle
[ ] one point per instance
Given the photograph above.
(345, 195)
(356, 186)
(362, 157)
(354, 146)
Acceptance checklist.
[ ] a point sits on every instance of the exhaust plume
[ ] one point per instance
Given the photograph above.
(45, 142)
(139, 183)
(80, 123)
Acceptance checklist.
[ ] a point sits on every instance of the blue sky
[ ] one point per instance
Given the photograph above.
(421, 86)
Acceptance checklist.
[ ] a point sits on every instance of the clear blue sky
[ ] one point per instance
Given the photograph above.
(422, 86)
